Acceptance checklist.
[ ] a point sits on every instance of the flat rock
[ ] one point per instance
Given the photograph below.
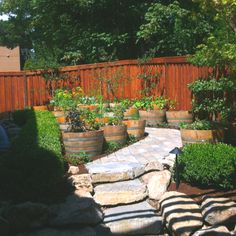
(81, 182)
(181, 214)
(120, 193)
(61, 232)
(134, 219)
(215, 230)
(76, 210)
(26, 215)
(217, 210)
(114, 171)
(157, 183)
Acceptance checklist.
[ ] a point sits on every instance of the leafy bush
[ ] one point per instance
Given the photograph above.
(197, 125)
(209, 165)
(33, 169)
(78, 158)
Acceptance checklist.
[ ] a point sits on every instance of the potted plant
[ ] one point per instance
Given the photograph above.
(87, 102)
(201, 131)
(83, 134)
(115, 131)
(152, 110)
(175, 118)
(129, 110)
(64, 100)
(135, 126)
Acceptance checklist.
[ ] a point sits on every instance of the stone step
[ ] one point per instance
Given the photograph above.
(114, 171)
(134, 219)
(124, 192)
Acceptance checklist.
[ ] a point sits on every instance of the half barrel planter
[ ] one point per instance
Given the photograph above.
(201, 136)
(174, 118)
(130, 113)
(135, 127)
(90, 142)
(115, 133)
(153, 117)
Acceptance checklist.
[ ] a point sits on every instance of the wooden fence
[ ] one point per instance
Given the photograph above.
(167, 76)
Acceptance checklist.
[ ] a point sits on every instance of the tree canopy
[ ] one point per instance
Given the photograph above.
(70, 32)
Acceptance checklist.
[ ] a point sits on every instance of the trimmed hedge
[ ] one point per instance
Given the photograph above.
(209, 165)
(33, 169)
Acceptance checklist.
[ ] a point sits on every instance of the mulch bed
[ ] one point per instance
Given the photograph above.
(197, 193)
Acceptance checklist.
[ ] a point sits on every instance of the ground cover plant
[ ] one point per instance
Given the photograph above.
(209, 165)
(33, 168)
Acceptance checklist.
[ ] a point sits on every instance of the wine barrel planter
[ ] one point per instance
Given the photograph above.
(201, 136)
(40, 108)
(115, 133)
(135, 127)
(153, 117)
(90, 142)
(90, 107)
(60, 116)
(130, 113)
(174, 118)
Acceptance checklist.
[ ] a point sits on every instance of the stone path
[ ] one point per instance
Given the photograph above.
(117, 185)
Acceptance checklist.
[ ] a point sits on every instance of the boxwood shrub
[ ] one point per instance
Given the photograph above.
(33, 169)
(209, 165)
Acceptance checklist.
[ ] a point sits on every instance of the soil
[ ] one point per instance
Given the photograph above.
(196, 193)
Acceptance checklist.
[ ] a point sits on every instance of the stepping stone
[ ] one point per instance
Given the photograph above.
(78, 209)
(181, 214)
(120, 193)
(217, 210)
(134, 219)
(114, 171)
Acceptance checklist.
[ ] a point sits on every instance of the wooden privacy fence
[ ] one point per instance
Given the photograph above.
(167, 76)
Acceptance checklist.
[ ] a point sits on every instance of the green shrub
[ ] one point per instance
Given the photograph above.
(33, 169)
(209, 165)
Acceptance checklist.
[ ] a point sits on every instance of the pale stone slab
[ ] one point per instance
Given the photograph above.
(61, 232)
(120, 193)
(181, 214)
(114, 171)
(217, 210)
(73, 170)
(134, 219)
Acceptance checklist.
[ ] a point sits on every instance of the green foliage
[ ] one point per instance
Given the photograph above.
(77, 158)
(110, 147)
(82, 120)
(87, 100)
(213, 97)
(209, 165)
(33, 169)
(197, 125)
(131, 139)
(173, 28)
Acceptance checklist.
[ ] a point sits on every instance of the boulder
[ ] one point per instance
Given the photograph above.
(81, 182)
(180, 213)
(215, 230)
(77, 210)
(135, 219)
(120, 193)
(218, 210)
(61, 232)
(26, 215)
(157, 183)
(73, 170)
